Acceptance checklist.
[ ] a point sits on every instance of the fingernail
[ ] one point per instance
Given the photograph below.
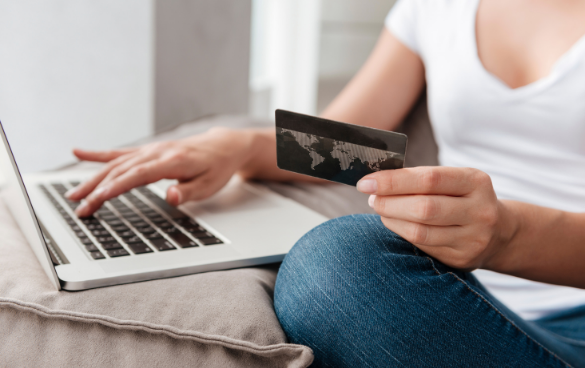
(71, 191)
(368, 186)
(175, 192)
(371, 200)
(81, 209)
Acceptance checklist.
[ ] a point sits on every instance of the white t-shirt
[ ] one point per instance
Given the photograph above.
(530, 140)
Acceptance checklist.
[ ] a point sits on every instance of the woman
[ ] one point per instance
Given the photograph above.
(506, 90)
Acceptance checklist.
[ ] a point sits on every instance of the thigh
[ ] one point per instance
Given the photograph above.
(360, 295)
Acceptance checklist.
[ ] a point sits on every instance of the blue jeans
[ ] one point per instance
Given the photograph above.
(361, 296)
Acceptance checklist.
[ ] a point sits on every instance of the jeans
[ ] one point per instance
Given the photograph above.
(361, 296)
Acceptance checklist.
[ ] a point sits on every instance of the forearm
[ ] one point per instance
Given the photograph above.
(541, 244)
(261, 163)
(379, 96)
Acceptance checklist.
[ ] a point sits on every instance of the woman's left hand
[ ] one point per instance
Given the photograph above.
(450, 213)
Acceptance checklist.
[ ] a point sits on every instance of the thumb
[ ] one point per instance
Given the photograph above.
(174, 196)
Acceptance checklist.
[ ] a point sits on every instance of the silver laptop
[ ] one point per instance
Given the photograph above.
(138, 236)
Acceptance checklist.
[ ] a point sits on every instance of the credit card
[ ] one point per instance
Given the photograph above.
(335, 151)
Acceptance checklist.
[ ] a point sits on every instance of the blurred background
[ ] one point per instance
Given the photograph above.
(101, 74)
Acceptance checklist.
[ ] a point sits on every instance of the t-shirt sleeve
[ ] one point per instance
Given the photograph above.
(402, 21)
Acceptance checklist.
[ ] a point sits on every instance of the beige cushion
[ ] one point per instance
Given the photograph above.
(215, 319)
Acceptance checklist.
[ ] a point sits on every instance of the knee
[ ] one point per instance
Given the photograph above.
(341, 243)
(332, 264)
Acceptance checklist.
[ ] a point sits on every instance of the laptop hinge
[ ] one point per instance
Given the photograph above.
(55, 252)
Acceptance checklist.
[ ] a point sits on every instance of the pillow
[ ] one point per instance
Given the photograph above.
(215, 319)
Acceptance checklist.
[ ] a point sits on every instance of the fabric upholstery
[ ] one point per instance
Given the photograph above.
(220, 319)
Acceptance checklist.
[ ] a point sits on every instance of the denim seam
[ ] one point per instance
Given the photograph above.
(495, 309)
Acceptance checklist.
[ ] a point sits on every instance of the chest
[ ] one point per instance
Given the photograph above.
(520, 41)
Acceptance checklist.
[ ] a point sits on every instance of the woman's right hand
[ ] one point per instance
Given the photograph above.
(202, 164)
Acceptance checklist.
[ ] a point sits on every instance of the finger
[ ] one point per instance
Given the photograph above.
(126, 166)
(142, 174)
(452, 245)
(452, 181)
(139, 175)
(84, 189)
(114, 169)
(425, 209)
(422, 234)
(101, 156)
(201, 187)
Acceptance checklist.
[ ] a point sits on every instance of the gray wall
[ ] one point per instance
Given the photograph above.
(74, 73)
(202, 50)
(103, 73)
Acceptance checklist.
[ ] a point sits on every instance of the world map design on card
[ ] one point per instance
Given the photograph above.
(330, 158)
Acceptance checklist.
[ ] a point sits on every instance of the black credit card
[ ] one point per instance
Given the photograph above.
(335, 151)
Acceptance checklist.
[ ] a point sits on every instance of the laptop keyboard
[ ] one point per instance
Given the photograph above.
(134, 223)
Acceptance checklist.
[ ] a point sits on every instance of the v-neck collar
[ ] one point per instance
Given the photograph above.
(561, 64)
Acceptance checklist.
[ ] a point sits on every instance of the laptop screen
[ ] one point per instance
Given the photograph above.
(14, 194)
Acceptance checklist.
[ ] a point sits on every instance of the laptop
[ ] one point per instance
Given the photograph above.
(138, 236)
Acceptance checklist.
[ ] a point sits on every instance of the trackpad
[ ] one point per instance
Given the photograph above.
(236, 197)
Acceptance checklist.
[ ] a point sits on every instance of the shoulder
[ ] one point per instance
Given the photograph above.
(431, 10)
(416, 22)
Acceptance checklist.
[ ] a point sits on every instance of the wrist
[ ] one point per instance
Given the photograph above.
(501, 258)
(255, 140)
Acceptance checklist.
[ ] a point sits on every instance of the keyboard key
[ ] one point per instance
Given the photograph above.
(118, 253)
(194, 228)
(120, 228)
(133, 239)
(109, 217)
(95, 227)
(97, 255)
(114, 222)
(110, 246)
(91, 248)
(90, 220)
(140, 248)
(140, 223)
(105, 239)
(183, 240)
(162, 244)
(159, 220)
(80, 234)
(169, 230)
(75, 228)
(126, 234)
(86, 241)
(149, 232)
(174, 212)
(187, 222)
(203, 234)
(100, 232)
(210, 241)
(145, 229)
(153, 236)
